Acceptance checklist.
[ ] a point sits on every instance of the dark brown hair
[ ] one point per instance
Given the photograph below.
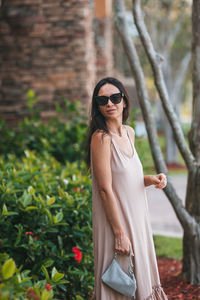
(97, 120)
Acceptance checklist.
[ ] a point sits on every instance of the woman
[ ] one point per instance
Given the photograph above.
(119, 209)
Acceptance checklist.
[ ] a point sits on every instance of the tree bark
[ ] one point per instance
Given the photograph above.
(191, 242)
(194, 136)
(191, 239)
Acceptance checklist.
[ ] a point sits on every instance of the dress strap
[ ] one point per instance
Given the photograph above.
(130, 139)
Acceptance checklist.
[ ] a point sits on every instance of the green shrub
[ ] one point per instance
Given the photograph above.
(45, 211)
(17, 284)
(63, 137)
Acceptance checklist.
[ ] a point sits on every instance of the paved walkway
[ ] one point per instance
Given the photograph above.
(163, 218)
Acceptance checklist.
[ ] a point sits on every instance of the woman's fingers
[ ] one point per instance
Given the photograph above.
(163, 181)
(122, 245)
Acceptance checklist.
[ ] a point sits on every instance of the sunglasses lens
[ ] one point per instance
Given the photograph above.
(102, 100)
(116, 98)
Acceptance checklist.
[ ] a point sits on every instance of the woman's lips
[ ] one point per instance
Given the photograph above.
(111, 110)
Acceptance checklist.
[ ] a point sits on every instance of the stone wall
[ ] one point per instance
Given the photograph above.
(47, 46)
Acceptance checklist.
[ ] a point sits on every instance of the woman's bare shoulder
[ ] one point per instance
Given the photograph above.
(100, 137)
(130, 129)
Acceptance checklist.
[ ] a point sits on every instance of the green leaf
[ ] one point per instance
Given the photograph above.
(25, 280)
(48, 262)
(12, 213)
(31, 190)
(8, 268)
(58, 276)
(63, 281)
(20, 229)
(31, 208)
(45, 295)
(46, 274)
(58, 217)
(60, 242)
(3, 256)
(50, 200)
(5, 210)
(49, 215)
(55, 275)
(53, 272)
(78, 297)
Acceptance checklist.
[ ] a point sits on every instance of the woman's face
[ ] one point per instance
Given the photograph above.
(111, 110)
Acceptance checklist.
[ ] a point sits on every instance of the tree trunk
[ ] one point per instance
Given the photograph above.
(194, 136)
(191, 239)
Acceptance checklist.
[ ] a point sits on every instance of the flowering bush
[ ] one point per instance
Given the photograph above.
(45, 222)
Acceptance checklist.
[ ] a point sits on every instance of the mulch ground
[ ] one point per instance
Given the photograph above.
(173, 285)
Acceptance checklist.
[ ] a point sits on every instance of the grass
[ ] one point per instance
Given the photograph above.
(168, 246)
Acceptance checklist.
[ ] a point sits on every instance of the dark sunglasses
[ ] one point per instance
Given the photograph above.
(115, 98)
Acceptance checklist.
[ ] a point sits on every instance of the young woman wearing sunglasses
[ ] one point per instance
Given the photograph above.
(119, 208)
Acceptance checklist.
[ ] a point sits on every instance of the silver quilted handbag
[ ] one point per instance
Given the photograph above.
(118, 280)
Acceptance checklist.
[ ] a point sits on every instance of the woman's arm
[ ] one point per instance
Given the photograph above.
(159, 180)
(101, 165)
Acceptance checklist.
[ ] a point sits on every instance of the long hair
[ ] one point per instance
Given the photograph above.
(97, 120)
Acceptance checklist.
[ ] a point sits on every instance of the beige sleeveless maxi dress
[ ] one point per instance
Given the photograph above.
(129, 190)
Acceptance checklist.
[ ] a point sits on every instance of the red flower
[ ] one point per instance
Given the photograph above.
(78, 189)
(48, 287)
(29, 233)
(78, 254)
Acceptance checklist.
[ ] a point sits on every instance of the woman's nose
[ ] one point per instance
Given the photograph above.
(109, 102)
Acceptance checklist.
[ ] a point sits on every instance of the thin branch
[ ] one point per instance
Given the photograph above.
(185, 219)
(161, 87)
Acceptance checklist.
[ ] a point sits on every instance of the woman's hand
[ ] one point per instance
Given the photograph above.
(122, 244)
(159, 181)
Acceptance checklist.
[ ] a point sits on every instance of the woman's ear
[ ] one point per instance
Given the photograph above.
(124, 103)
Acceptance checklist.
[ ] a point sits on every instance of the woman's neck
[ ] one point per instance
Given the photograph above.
(116, 129)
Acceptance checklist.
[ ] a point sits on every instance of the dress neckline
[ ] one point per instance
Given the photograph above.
(132, 146)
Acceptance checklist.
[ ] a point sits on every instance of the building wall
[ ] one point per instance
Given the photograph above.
(47, 46)
(103, 29)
